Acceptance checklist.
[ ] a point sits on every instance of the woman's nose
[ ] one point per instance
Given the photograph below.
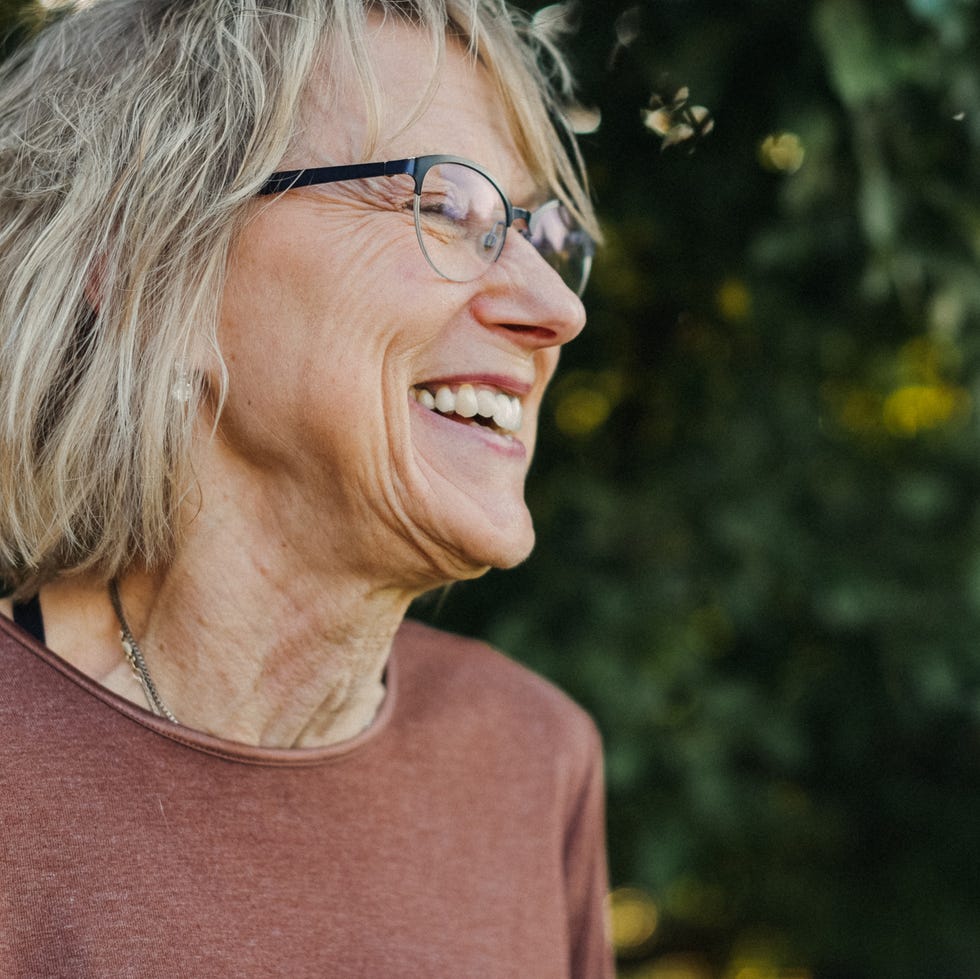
(525, 295)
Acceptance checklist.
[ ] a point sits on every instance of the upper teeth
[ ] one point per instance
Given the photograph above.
(468, 402)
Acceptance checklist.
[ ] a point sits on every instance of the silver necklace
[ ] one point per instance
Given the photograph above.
(135, 658)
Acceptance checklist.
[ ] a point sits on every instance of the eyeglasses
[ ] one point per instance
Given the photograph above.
(462, 216)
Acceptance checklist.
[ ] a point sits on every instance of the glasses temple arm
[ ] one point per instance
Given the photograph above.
(291, 179)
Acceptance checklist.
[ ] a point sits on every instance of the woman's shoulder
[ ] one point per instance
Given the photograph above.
(498, 693)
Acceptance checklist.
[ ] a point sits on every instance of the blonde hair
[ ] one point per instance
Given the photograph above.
(133, 133)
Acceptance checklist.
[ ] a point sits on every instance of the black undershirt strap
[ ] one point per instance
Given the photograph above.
(28, 616)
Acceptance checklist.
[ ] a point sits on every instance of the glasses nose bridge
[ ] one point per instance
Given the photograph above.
(520, 220)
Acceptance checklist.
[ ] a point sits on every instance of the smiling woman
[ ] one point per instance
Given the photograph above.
(259, 393)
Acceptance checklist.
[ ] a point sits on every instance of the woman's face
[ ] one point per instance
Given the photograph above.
(333, 322)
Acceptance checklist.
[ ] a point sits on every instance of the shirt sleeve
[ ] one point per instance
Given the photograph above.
(586, 873)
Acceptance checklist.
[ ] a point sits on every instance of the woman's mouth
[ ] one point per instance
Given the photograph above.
(485, 406)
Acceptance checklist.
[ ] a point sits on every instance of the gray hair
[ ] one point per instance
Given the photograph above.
(133, 133)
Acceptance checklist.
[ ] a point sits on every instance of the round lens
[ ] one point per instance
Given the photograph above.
(563, 244)
(461, 220)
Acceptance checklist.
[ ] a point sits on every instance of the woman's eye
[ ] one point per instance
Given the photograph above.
(432, 207)
(441, 205)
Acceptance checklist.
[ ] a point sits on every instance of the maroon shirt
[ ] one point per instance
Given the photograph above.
(461, 835)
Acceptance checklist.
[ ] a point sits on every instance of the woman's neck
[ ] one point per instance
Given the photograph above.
(274, 622)
(251, 650)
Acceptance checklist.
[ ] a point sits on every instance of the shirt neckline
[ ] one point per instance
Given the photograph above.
(209, 744)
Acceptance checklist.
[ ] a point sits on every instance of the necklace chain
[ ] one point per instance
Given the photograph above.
(135, 658)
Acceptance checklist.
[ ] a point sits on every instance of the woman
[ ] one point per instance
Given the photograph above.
(257, 397)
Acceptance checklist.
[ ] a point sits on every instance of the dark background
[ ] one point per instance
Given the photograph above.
(757, 488)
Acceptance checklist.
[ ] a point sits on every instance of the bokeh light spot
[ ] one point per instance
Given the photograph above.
(633, 919)
(657, 120)
(584, 119)
(627, 26)
(734, 300)
(918, 407)
(584, 400)
(782, 152)
(581, 411)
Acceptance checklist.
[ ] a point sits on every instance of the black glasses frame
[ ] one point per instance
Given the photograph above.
(416, 167)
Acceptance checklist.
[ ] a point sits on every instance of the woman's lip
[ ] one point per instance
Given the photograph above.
(509, 385)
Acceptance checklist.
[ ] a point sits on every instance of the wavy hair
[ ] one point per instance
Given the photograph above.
(133, 134)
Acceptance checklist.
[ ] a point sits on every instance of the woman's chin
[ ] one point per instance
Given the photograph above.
(474, 546)
(516, 551)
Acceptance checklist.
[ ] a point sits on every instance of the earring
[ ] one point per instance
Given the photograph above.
(183, 386)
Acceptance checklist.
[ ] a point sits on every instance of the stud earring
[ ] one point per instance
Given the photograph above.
(183, 386)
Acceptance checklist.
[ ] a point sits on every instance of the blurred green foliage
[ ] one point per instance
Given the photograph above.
(758, 483)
